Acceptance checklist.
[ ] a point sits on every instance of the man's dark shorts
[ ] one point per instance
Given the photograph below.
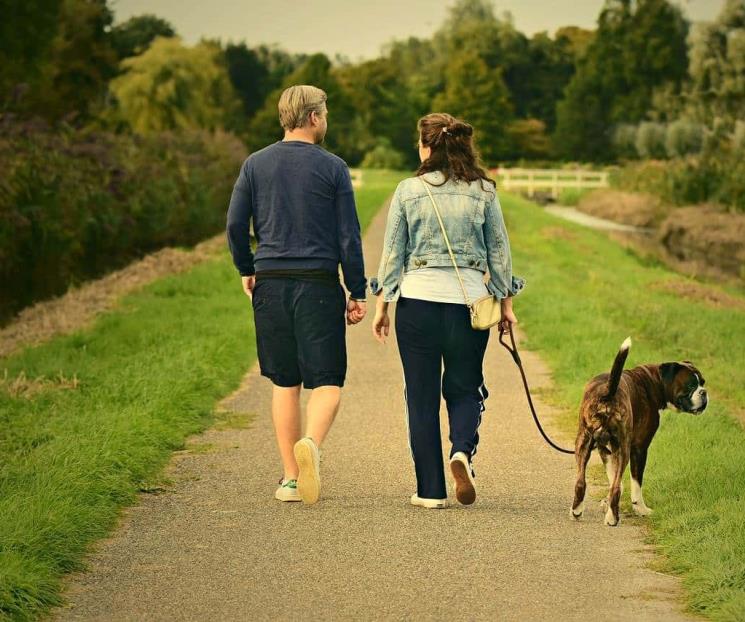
(301, 332)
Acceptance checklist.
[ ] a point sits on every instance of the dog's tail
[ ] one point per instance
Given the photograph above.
(617, 369)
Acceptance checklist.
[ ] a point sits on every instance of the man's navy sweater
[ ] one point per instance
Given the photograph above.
(301, 201)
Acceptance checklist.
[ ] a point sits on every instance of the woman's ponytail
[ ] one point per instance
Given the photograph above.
(452, 149)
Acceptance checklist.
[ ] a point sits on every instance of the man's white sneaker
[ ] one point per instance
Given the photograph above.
(460, 467)
(308, 461)
(287, 490)
(432, 504)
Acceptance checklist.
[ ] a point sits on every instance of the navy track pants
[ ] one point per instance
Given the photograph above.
(431, 334)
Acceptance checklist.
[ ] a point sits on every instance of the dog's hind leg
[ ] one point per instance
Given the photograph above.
(582, 451)
(609, 462)
(619, 459)
(638, 462)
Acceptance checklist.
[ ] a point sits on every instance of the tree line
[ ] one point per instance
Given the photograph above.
(576, 94)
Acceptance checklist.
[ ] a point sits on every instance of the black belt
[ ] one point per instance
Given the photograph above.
(319, 276)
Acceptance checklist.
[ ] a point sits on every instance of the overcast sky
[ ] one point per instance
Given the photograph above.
(355, 28)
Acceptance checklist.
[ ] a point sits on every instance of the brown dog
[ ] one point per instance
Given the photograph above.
(619, 415)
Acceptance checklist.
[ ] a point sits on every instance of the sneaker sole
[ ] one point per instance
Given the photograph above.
(464, 489)
(430, 506)
(308, 481)
(279, 497)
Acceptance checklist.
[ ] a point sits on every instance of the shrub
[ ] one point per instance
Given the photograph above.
(75, 204)
(571, 196)
(624, 140)
(712, 177)
(738, 138)
(683, 138)
(383, 155)
(650, 140)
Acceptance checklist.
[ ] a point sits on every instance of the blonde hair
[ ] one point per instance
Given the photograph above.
(297, 102)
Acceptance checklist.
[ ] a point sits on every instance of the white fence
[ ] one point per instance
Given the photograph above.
(552, 180)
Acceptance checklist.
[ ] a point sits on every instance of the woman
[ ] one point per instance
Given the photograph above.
(432, 320)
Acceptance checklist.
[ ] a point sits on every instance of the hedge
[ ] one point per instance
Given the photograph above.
(75, 204)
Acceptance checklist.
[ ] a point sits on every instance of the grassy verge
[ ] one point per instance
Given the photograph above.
(89, 419)
(585, 294)
(377, 186)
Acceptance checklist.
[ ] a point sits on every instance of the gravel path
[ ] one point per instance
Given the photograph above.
(574, 215)
(217, 546)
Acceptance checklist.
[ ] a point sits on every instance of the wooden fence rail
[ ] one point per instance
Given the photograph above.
(553, 180)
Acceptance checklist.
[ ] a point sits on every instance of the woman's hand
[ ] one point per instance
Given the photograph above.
(381, 325)
(508, 316)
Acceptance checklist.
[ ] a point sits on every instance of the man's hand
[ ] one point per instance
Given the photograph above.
(248, 285)
(355, 311)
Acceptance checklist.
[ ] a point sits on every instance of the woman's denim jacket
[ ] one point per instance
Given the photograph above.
(473, 220)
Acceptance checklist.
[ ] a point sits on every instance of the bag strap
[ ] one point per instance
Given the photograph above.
(447, 242)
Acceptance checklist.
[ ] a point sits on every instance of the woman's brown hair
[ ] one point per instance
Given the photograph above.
(453, 150)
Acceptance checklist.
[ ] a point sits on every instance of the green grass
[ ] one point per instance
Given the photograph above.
(150, 374)
(584, 295)
(377, 186)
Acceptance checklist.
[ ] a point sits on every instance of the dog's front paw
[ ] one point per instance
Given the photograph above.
(610, 519)
(640, 509)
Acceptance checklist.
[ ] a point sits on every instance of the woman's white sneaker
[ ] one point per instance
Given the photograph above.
(465, 489)
(432, 504)
(287, 490)
(308, 462)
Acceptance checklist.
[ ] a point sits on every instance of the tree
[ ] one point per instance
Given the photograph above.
(24, 44)
(171, 86)
(264, 128)
(639, 47)
(539, 82)
(416, 67)
(717, 68)
(583, 129)
(249, 76)
(279, 63)
(382, 105)
(67, 78)
(529, 139)
(575, 39)
(535, 70)
(479, 96)
(133, 37)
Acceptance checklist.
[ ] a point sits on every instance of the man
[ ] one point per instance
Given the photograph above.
(301, 202)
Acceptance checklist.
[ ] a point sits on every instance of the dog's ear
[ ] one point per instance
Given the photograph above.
(668, 371)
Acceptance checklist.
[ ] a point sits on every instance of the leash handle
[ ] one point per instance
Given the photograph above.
(516, 357)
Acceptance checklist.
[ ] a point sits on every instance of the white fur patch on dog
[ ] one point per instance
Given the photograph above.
(637, 499)
(610, 520)
(696, 399)
(626, 344)
(610, 471)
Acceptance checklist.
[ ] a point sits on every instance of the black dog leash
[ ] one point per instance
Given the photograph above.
(516, 357)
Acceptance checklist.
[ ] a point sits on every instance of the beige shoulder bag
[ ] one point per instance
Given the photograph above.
(485, 311)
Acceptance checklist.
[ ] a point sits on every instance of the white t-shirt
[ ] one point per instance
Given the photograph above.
(441, 284)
